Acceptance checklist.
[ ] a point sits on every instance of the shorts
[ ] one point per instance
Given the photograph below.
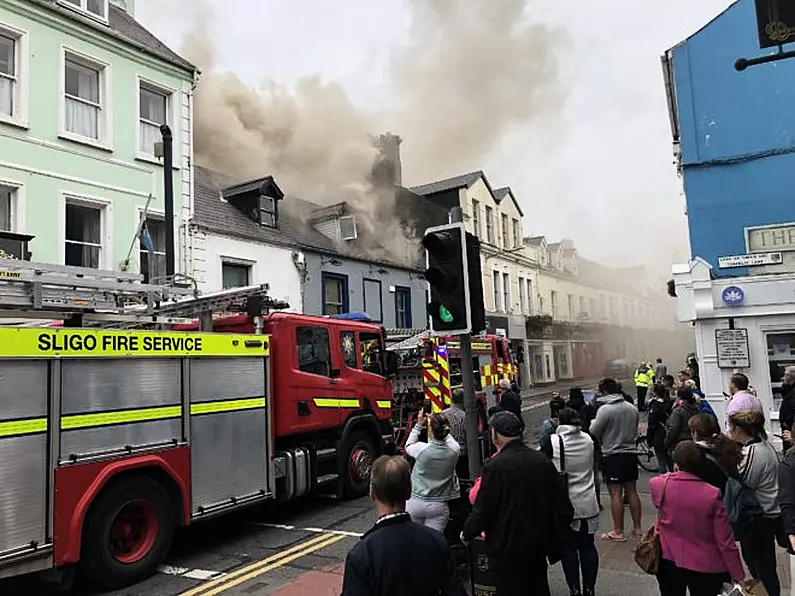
(620, 468)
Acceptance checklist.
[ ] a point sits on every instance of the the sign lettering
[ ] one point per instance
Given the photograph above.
(732, 348)
(125, 343)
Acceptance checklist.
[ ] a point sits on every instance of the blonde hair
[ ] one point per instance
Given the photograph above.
(750, 421)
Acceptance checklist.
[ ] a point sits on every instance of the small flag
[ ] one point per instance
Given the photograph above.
(146, 239)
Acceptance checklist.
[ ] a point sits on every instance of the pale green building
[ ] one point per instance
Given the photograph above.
(83, 90)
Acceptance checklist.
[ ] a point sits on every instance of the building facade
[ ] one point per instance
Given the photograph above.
(735, 149)
(83, 90)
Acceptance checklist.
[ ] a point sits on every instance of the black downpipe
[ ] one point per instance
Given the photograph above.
(168, 183)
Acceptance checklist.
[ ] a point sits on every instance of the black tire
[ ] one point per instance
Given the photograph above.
(99, 565)
(647, 459)
(360, 447)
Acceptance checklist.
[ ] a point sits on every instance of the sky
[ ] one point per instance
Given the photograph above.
(594, 164)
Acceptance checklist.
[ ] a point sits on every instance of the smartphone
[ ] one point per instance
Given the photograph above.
(778, 436)
(427, 407)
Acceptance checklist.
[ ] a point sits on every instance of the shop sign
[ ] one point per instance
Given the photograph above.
(771, 238)
(754, 260)
(732, 348)
(732, 295)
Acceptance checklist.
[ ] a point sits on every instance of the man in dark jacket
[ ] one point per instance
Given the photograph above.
(523, 509)
(397, 556)
(786, 500)
(510, 401)
(786, 412)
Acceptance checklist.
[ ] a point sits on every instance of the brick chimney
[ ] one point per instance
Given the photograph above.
(388, 170)
(127, 6)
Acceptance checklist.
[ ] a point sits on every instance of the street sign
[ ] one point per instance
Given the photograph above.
(753, 260)
(732, 348)
(775, 21)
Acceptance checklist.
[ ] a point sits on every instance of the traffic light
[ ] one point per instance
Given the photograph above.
(455, 280)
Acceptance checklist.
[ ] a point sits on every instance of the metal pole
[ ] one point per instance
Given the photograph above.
(468, 379)
(168, 195)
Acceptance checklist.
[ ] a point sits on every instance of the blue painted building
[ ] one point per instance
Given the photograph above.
(734, 142)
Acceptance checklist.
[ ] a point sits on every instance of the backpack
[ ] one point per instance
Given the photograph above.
(741, 504)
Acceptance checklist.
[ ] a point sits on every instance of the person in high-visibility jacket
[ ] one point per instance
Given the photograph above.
(644, 377)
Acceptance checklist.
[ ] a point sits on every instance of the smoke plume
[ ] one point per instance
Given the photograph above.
(470, 72)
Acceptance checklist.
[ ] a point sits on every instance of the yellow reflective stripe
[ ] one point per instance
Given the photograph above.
(383, 404)
(326, 402)
(443, 363)
(30, 426)
(77, 421)
(228, 405)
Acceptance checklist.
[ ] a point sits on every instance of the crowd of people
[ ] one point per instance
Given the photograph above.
(721, 483)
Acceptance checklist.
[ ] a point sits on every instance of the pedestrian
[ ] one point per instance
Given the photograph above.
(433, 479)
(660, 370)
(456, 417)
(572, 452)
(699, 554)
(786, 499)
(676, 429)
(644, 375)
(548, 426)
(510, 401)
(722, 456)
(615, 428)
(655, 428)
(786, 411)
(741, 398)
(759, 470)
(397, 556)
(523, 509)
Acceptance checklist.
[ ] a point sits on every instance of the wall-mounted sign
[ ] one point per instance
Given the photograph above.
(767, 258)
(732, 348)
(775, 21)
(732, 296)
(778, 238)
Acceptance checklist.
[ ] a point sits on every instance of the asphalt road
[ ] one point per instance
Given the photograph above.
(299, 549)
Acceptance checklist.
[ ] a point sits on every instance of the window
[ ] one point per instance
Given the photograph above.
(98, 8)
(83, 237)
(496, 277)
(572, 312)
(314, 351)
(592, 307)
(235, 275)
(489, 225)
(373, 303)
(505, 232)
(553, 299)
(522, 303)
(582, 305)
(517, 234)
(506, 290)
(370, 345)
(348, 347)
(152, 113)
(335, 294)
(153, 266)
(7, 206)
(348, 227)
(9, 75)
(267, 211)
(403, 308)
(530, 296)
(84, 97)
(476, 218)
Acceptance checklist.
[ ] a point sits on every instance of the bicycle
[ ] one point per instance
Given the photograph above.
(647, 459)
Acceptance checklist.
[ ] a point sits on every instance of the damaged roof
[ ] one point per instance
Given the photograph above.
(126, 29)
(213, 214)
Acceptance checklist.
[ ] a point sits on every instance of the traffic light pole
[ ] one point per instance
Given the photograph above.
(468, 380)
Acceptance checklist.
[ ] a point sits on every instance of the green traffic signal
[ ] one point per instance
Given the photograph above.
(445, 315)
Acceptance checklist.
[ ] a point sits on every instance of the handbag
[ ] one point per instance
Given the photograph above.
(649, 551)
(564, 478)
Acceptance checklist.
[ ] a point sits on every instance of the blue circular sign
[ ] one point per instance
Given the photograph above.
(733, 295)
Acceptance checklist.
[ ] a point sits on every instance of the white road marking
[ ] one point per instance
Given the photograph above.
(313, 530)
(534, 406)
(200, 574)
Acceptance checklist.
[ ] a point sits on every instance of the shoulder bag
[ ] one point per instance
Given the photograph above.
(564, 478)
(649, 551)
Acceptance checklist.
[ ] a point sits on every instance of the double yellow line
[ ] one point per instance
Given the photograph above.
(254, 570)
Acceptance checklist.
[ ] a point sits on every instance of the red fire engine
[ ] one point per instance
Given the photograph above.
(109, 439)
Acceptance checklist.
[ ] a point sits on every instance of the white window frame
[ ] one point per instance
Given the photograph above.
(106, 226)
(235, 262)
(148, 214)
(17, 204)
(19, 116)
(105, 141)
(83, 9)
(172, 117)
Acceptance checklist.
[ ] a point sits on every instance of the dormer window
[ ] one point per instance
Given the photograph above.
(348, 227)
(267, 211)
(95, 8)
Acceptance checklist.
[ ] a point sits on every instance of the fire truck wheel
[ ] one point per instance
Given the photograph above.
(359, 452)
(127, 533)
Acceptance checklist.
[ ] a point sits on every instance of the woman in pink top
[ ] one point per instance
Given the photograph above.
(698, 549)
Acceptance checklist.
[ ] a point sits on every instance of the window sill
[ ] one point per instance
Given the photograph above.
(96, 144)
(151, 159)
(15, 122)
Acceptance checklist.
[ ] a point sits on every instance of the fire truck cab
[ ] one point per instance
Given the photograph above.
(112, 437)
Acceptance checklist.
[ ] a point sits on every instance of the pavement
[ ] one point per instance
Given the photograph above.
(299, 548)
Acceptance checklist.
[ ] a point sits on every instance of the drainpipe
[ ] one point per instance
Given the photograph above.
(168, 182)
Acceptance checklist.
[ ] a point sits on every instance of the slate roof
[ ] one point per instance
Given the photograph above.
(221, 217)
(125, 28)
(535, 240)
(466, 181)
(501, 193)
